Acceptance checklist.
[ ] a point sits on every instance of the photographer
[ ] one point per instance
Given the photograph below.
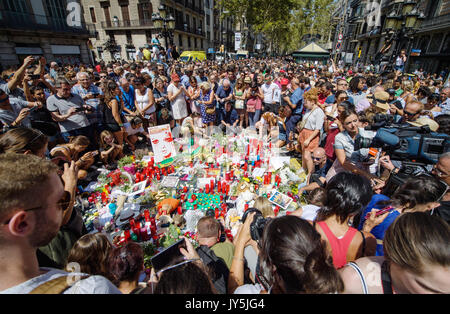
(68, 110)
(293, 260)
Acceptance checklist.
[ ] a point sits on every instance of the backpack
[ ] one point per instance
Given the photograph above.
(219, 271)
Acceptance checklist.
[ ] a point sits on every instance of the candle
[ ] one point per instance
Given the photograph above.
(219, 187)
(180, 210)
(185, 189)
(212, 185)
(276, 210)
(246, 207)
(207, 188)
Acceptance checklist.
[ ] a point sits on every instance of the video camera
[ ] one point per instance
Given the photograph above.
(405, 142)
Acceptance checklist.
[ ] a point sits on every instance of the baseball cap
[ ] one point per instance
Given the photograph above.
(381, 100)
(284, 81)
(424, 121)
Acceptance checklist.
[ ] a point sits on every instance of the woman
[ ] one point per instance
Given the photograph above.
(254, 97)
(416, 261)
(176, 95)
(333, 125)
(207, 104)
(126, 264)
(213, 81)
(145, 103)
(185, 275)
(346, 195)
(294, 259)
(194, 94)
(70, 152)
(31, 141)
(419, 193)
(310, 126)
(113, 118)
(347, 158)
(356, 87)
(89, 255)
(247, 82)
(110, 152)
(239, 104)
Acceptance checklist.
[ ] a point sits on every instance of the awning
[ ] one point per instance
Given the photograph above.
(308, 55)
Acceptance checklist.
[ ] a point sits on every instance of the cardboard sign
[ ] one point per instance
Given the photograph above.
(162, 143)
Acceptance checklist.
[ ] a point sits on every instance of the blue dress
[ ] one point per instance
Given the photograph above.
(207, 118)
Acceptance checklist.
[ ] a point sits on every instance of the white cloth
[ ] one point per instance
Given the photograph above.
(131, 131)
(142, 102)
(90, 285)
(314, 119)
(179, 107)
(310, 212)
(249, 289)
(268, 91)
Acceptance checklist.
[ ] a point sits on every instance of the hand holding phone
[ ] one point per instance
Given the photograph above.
(169, 256)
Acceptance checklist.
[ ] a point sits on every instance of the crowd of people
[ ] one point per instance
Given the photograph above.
(62, 122)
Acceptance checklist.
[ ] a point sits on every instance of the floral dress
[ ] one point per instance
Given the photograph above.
(207, 118)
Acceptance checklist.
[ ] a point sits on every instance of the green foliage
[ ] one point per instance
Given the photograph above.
(170, 237)
(124, 161)
(149, 250)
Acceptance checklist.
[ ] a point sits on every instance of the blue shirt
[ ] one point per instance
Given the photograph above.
(297, 99)
(128, 98)
(229, 117)
(379, 230)
(291, 123)
(96, 115)
(222, 93)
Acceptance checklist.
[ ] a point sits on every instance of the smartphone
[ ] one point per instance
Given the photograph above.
(80, 109)
(169, 255)
(35, 76)
(331, 118)
(380, 212)
(32, 109)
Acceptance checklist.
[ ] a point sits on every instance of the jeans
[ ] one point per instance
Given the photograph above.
(253, 117)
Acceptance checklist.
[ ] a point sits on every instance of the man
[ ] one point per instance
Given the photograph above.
(187, 75)
(412, 111)
(91, 95)
(31, 214)
(128, 95)
(155, 48)
(400, 61)
(68, 110)
(15, 112)
(295, 101)
(321, 166)
(54, 70)
(445, 101)
(229, 117)
(161, 72)
(223, 94)
(201, 75)
(341, 85)
(140, 54)
(442, 171)
(269, 89)
(217, 256)
(147, 53)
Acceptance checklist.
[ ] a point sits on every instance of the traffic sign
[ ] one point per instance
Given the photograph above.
(338, 46)
(340, 37)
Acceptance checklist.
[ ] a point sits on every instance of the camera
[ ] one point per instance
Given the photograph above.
(80, 109)
(258, 224)
(35, 76)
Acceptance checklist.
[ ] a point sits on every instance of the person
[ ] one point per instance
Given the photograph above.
(132, 129)
(400, 61)
(295, 100)
(193, 94)
(356, 89)
(186, 275)
(341, 86)
(31, 222)
(15, 111)
(419, 193)
(145, 103)
(127, 96)
(239, 100)
(311, 124)
(160, 96)
(294, 259)
(321, 166)
(90, 255)
(140, 54)
(315, 201)
(229, 117)
(269, 88)
(113, 119)
(207, 104)
(23, 140)
(70, 152)
(412, 111)
(346, 195)
(176, 94)
(125, 264)
(332, 125)
(216, 255)
(347, 158)
(146, 52)
(224, 93)
(68, 110)
(155, 48)
(110, 152)
(416, 260)
(91, 95)
(254, 97)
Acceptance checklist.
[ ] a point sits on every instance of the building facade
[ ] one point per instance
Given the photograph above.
(128, 25)
(366, 33)
(54, 29)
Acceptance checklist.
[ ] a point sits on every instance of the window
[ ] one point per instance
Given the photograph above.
(107, 16)
(201, 43)
(145, 11)
(125, 15)
(180, 40)
(207, 19)
(129, 38)
(189, 41)
(93, 18)
(195, 42)
(446, 46)
(435, 43)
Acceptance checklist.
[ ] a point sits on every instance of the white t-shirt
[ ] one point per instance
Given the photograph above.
(249, 289)
(315, 119)
(90, 285)
(142, 101)
(131, 131)
(268, 91)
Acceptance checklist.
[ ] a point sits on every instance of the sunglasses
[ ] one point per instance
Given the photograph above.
(409, 113)
(63, 204)
(316, 158)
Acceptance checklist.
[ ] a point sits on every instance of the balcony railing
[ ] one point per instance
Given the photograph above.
(127, 24)
(438, 21)
(35, 22)
(188, 29)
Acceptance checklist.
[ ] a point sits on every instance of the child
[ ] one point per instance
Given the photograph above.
(132, 129)
(109, 150)
(315, 201)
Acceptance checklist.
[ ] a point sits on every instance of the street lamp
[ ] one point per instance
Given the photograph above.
(165, 24)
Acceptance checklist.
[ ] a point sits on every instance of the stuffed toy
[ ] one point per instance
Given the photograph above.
(167, 206)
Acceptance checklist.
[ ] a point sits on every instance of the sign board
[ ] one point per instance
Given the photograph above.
(65, 50)
(415, 52)
(349, 57)
(162, 142)
(340, 37)
(237, 41)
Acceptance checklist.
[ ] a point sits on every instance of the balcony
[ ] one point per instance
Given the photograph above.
(187, 29)
(42, 23)
(131, 24)
(435, 23)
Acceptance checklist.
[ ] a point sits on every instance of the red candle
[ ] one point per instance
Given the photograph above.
(246, 207)
(185, 189)
(212, 185)
(180, 210)
(276, 210)
(216, 212)
(207, 188)
(158, 177)
(232, 174)
(219, 187)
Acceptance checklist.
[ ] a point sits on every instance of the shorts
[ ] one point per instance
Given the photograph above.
(304, 134)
